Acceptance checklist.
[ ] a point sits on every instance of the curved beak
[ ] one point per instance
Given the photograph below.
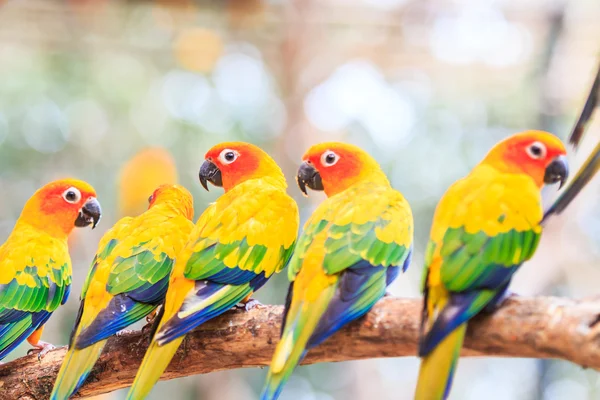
(557, 171)
(89, 214)
(209, 172)
(308, 176)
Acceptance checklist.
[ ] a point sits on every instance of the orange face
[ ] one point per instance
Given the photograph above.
(229, 164)
(61, 205)
(177, 195)
(538, 154)
(333, 167)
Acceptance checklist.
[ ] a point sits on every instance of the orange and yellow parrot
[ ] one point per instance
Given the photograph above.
(127, 281)
(353, 246)
(238, 243)
(35, 266)
(485, 226)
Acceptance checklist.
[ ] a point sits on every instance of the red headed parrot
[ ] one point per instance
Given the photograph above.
(353, 246)
(127, 281)
(35, 266)
(485, 226)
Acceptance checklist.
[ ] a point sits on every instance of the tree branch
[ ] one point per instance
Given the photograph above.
(542, 327)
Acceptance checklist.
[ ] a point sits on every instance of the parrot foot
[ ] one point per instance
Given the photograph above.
(41, 348)
(124, 332)
(498, 301)
(151, 317)
(250, 305)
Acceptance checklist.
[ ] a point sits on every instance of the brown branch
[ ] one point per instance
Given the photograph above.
(542, 327)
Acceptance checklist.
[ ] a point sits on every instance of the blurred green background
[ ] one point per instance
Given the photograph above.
(425, 86)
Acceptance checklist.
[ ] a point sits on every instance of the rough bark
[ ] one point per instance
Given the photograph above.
(542, 327)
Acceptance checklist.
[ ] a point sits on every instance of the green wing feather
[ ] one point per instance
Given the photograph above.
(351, 223)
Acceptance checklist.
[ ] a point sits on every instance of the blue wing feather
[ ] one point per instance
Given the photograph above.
(204, 289)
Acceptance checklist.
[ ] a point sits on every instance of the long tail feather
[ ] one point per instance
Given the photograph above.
(155, 362)
(76, 367)
(290, 350)
(438, 367)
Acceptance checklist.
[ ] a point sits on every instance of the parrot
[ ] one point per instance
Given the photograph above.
(484, 227)
(144, 172)
(352, 247)
(237, 244)
(592, 164)
(35, 266)
(127, 281)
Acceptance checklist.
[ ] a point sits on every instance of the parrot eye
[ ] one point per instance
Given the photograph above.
(150, 198)
(329, 158)
(228, 156)
(72, 195)
(536, 150)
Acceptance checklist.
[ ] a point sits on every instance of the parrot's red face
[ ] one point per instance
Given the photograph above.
(538, 154)
(229, 164)
(333, 167)
(177, 195)
(61, 205)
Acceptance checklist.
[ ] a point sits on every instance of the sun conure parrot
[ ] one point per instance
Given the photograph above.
(353, 246)
(127, 281)
(485, 226)
(35, 266)
(144, 172)
(238, 243)
(592, 164)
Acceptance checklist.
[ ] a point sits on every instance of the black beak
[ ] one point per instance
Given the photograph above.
(582, 178)
(557, 171)
(210, 173)
(90, 213)
(308, 176)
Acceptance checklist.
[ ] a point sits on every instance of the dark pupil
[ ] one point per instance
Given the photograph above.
(71, 196)
(536, 151)
(330, 158)
(150, 199)
(229, 156)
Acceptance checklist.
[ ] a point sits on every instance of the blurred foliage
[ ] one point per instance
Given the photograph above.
(426, 87)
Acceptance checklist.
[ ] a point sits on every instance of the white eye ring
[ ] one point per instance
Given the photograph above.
(228, 156)
(536, 150)
(329, 158)
(72, 195)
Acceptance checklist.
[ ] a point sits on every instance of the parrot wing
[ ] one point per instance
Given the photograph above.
(367, 239)
(136, 258)
(32, 285)
(240, 241)
(484, 240)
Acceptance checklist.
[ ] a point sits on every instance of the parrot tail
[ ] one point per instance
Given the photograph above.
(299, 328)
(438, 367)
(76, 367)
(155, 362)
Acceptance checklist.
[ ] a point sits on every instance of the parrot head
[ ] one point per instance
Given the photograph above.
(538, 154)
(174, 195)
(229, 164)
(62, 205)
(334, 167)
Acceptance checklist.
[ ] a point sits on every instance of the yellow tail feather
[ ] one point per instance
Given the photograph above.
(155, 362)
(437, 368)
(76, 366)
